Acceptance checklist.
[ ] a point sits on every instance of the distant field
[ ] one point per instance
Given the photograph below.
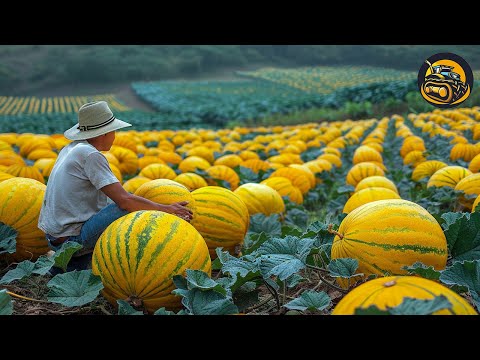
(327, 79)
(18, 105)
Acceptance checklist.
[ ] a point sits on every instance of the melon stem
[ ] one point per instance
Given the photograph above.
(332, 231)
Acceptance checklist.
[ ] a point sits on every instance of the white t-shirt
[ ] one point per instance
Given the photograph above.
(73, 192)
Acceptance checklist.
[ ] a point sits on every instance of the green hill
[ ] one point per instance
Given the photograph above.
(57, 69)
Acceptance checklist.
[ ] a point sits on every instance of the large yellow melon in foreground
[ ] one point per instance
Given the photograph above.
(138, 254)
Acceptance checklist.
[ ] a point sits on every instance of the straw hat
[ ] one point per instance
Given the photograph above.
(94, 119)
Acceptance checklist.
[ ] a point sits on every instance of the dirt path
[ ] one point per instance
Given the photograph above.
(129, 98)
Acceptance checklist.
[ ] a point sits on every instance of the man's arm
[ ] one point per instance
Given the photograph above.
(131, 202)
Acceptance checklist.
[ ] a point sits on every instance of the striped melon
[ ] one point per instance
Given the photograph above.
(221, 217)
(427, 169)
(191, 180)
(465, 152)
(299, 178)
(230, 160)
(391, 291)
(261, 199)
(223, 172)
(166, 191)
(285, 188)
(474, 165)
(127, 158)
(310, 173)
(475, 203)
(138, 254)
(368, 195)
(169, 157)
(385, 235)
(448, 176)
(376, 181)
(10, 158)
(25, 171)
(469, 185)
(20, 203)
(192, 163)
(146, 160)
(365, 153)
(134, 183)
(4, 176)
(414, 158)
(158, 171)
(116, 171)
(361, 171)
(255, 165)
(42, 154)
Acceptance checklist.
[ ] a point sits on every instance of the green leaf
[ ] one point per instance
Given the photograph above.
(292, 245)
(246, 295)
(267, 224)
(64, 254)
(371, 310)
(411, 306)
(27, 268)
(43, 264)
(463, 235)
(345, 189)
(297, 217)
(8, 239)
(240, 270)
(292, 231)
(208, 302)
(180, 282)
(294, 280)
(323, 236)
(163, 311)
(6, 305)
(464, 273)
(247, 175)
(124, 308)
(197, 279)
(427, 272)
(310, 300)
(23, 269)
(253, 241)
(343, 267)
(75, 288)
(280, 265)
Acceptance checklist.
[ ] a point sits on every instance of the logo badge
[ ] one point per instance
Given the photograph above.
(445, 80)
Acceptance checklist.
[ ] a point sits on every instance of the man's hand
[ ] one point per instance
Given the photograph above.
(179, 209)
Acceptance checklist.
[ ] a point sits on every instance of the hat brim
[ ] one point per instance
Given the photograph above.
(75, 134)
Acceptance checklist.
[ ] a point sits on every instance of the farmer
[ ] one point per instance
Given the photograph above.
(76, 205)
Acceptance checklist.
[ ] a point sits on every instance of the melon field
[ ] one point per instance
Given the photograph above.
(376, 216)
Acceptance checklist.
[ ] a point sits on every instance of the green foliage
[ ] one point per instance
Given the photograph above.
(65, 253)
(410, 306)
(27, 268)
(310, 300)
(124, 308)
(75, 288)
(464, 274)
(202, 295)
(343, 267)
(462, 231)
(8, 239)
(420, 269)
(6, 306)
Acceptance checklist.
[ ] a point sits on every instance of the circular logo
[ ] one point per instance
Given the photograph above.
(445, 80)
